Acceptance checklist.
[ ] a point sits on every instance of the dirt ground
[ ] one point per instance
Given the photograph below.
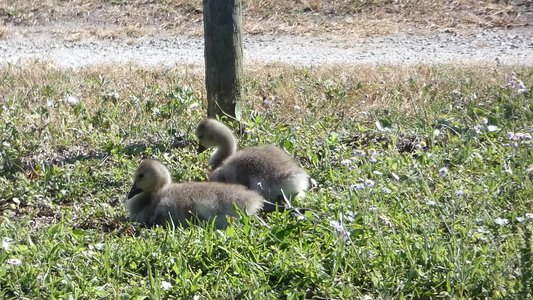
(77, 33)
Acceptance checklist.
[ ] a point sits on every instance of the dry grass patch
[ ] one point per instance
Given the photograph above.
(358, 92)
(4, 32)
(349, 91)
(109, 101)
(184, 17)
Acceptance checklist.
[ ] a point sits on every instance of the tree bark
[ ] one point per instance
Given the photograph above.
(223, 56)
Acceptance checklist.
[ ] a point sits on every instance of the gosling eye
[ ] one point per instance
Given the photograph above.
(141, 175)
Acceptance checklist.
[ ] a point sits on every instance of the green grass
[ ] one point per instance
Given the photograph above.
(385, 224)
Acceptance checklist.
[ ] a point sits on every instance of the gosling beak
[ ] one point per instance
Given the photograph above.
(134, 191)
(201, 149)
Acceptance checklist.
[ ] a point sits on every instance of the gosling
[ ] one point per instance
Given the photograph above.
(266, 169)
(155, 200)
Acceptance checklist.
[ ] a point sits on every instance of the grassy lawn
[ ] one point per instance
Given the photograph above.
(424, 184)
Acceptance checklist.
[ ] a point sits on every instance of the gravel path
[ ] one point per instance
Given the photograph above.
(506, 46)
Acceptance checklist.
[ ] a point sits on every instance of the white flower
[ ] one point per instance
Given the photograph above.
(501, 222)
(529, 216)
(395, 176)
(194, 106)
(340, 229)
(358, 187)
(335, 225)
(519, 138)
(516, 84)
(346, 162)
(349, 216)
(358, 152)
(524, 136)
(459, 193)
(72, 100)
(6, 243)
(420, 145)
(530, 170)
(431, 202)
(386, 221)
(166, 285)
(113, 95)
(456, 94)
(492, 128)
(101, 288)
(369, 183)
(443, 172)
(14, 262)
(482, 230)
(520, 219)
(99, 246)
(267, 102)
(478, 129)
(372, 159)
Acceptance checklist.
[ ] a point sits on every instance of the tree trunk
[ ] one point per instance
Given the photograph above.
(223, 56)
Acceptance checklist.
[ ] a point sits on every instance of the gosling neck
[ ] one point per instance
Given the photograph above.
(227, 147)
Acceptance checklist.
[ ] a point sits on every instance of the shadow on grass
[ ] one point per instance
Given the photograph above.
(65, 156)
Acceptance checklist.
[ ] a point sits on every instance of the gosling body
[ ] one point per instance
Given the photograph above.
(155, 200)
(267, 169)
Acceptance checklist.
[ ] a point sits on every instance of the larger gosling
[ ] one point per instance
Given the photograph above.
(155, 200)
(266, 169)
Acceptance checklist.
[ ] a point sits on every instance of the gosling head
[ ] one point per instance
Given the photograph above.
(211, 133)
(150, 177)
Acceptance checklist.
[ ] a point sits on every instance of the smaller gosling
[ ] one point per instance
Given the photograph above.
(155, 200)
(267, 169)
